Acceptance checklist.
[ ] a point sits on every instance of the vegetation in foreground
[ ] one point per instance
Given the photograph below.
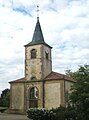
(60, 113)
(4, 100)
(80, 95)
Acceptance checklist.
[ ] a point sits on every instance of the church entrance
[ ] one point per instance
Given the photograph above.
(33, 103)
(33, 98)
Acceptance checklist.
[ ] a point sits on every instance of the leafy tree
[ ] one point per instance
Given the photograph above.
(5, 98)
(80, 95)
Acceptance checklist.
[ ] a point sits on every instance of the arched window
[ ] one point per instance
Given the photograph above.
(47, 55)
(33, 53)
(34, 93)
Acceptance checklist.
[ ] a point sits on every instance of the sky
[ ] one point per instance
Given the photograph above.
(65, 26)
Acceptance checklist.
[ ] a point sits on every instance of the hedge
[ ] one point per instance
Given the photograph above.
(60, 113)
(40, 114)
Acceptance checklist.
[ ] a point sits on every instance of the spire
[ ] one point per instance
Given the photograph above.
(37, 35)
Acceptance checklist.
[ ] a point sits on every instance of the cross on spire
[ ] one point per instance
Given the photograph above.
(37, 12)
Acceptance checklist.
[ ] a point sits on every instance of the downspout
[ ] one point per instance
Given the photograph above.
(43, 93)
(64, 95)
(43, 99)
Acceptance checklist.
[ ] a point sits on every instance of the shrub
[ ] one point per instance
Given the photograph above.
(60, 113)
(40, 114)
(59, 109)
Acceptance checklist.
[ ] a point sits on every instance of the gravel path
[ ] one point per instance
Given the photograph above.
(5, 116)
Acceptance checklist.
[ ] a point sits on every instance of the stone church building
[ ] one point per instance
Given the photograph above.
(41, 87)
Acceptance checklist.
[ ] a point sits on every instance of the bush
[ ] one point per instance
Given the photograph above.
(40, 114)
(60, 113)
(59, 109)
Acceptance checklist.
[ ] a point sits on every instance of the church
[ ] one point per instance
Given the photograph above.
(41, 87)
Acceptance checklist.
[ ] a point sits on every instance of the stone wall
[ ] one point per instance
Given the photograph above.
(39, 67)
(17, 97)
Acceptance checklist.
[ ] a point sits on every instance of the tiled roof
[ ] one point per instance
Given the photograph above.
(58, 76)
(21, 80)
(51, 76)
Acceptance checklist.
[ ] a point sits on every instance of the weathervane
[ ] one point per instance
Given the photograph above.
(37, 12)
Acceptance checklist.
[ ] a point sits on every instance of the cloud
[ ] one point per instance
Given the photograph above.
(65, 26)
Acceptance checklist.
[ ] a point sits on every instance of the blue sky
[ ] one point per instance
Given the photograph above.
(65, 26)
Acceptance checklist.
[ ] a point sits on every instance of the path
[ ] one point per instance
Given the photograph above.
(5, 116)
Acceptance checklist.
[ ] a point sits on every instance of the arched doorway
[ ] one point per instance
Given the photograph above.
(33, 97)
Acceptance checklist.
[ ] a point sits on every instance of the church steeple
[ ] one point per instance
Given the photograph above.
(37, 35)
(38, 63)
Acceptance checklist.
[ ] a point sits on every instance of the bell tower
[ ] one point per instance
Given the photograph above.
(38, 61)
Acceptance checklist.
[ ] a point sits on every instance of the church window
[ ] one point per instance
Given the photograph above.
(47, 55)
(33, 53)
(34, 93)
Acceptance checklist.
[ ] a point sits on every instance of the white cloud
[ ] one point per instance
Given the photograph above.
(65, 26)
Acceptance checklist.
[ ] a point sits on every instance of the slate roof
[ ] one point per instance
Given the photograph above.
(37, 36)
(51, 76)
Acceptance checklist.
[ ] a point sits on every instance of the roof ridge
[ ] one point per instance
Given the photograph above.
(55, 76)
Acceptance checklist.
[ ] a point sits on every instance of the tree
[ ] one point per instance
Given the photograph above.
(80, 95)
(5, 98)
